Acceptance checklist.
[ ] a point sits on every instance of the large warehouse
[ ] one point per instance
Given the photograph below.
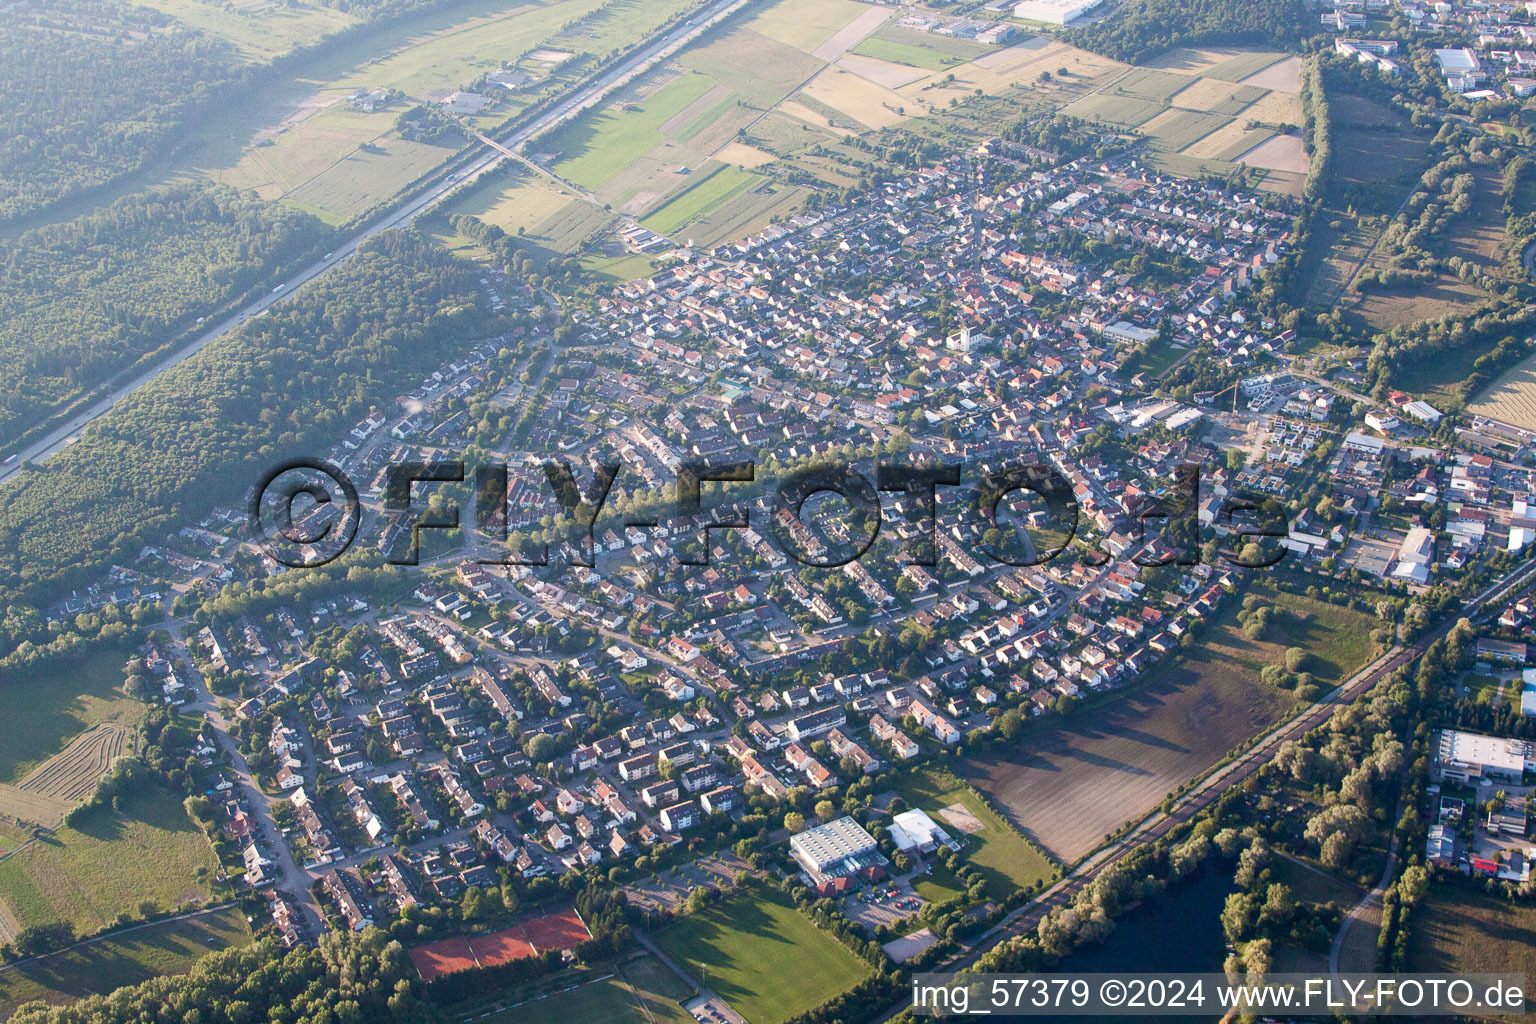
(1053, 12)
(1470, 756)
(839, 847)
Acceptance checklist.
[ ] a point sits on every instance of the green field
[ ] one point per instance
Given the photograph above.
(639, 991)
(363, 179)
(260, 29)
(911, 54)
(42, 715)
(997, 851)
(1127, 111)
(1181, 128)
(938, 884)
(110, 863)
(1149, 84)
(168, 947)
(762, 956)
(618, 269)
(593, 149)
(712, 189)
(946, 50)
(1463, 930)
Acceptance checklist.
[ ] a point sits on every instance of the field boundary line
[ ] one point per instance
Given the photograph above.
(106, 936)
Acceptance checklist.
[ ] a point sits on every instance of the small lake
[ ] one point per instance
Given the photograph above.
(1180, 931)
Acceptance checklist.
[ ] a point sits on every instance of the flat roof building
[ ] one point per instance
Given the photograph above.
(1470, 757)
(914, 830)
(1053, 12)
(839, 847)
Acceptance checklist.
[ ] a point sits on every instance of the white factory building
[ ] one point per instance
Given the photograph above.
(1053, 12)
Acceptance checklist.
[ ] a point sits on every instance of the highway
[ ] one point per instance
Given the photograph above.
(589, 95)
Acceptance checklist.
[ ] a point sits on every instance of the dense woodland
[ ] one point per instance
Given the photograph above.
(286, 384)
(348, 978)
(83, 300)
(1143, 29)
(90, 91)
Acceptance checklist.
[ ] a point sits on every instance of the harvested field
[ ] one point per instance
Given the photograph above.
(743, 155)
(806, 114)
(72, 774)
(1202, 60)
(1229, 141)
(37, 808)
(1512, 397)
(1275, 108)
(1284, 76)
(1068, 784)
(873, 106)
(1016, 52)
(1280, 153)
(805, 24)
(851, 34)
(1462, 930)
(1215, 96)
(559, 929)
(881, 72)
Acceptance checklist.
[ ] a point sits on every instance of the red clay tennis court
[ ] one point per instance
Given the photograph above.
(443, 957)
(500, 947)
(560, 929)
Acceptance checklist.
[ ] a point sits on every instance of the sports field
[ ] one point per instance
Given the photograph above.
(1068, 784)
(558, 929)
(762, 956)
(994, 848)
(98, 968)
(638, 991)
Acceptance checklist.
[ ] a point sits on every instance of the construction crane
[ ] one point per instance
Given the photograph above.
(1232, 388)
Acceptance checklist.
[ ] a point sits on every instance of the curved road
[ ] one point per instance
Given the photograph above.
(594, 92)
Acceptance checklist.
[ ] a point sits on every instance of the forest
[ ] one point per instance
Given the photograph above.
(286, 384)
(1144, 29)
(348, 978)
(83, 300)
(90, 91)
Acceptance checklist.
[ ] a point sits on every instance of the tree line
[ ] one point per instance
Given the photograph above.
(1143, 29)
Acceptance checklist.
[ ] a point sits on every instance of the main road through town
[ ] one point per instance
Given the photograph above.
(593, 92)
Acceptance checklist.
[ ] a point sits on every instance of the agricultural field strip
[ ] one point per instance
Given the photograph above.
(73, 773)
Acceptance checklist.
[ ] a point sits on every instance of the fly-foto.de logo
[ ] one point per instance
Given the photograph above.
(307, 512)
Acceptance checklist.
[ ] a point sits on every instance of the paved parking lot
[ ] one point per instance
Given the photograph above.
(669, 889)
(871, 907)
(711, 1009)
